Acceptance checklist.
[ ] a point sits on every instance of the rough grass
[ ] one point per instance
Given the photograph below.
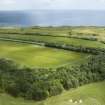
(92, 94)
(37, 56)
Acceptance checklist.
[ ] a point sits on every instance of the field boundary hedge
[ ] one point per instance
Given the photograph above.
(56, 45)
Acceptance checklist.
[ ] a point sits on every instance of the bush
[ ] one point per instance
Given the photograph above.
(39, 94)
(13, 89)
(55, 88)
(39, 84)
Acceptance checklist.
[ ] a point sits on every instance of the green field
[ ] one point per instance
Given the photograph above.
(37, 56)
(58, 40)
(19, 50)
(58, 31)
(93, 94)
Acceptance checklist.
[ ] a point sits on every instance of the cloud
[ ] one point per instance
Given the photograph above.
(70, 4)
(7, 2)
(51, 4)
(103, 1)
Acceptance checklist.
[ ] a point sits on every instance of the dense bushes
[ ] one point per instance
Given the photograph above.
(75, 48)
(39, 84)
(28, 83)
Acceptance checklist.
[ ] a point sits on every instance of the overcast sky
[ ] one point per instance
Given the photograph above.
(51, 4)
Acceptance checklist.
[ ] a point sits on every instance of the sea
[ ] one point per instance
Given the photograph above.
(53, 18)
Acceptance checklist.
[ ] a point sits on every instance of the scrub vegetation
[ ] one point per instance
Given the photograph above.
(41, 63)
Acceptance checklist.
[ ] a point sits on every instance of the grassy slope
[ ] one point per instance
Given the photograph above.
(92, 94)
(37, 56)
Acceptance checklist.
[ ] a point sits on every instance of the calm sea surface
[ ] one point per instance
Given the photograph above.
(52, 17)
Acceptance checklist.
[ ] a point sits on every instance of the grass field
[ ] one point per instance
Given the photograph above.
(37, 56)
(43, 57)
(58, 31)
(59, 40)
(92, 94)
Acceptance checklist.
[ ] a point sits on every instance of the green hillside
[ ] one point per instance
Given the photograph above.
(52, 66)
(92, 94)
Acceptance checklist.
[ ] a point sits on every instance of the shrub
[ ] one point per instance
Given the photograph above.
(39, 84)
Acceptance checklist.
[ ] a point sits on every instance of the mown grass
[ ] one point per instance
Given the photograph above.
(37, 56)
(92, 94)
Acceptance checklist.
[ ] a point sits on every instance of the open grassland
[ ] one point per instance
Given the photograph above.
(58, 40)
(93, 94)
(37, 56)
(56, 31)
(59, 35)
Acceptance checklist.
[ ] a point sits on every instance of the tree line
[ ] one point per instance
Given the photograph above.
(57, 45)
(71, 47)
(39, 84)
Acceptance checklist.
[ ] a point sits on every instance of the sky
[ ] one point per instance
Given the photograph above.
(51, 4)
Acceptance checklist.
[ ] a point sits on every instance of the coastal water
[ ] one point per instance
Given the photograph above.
(53, 18)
